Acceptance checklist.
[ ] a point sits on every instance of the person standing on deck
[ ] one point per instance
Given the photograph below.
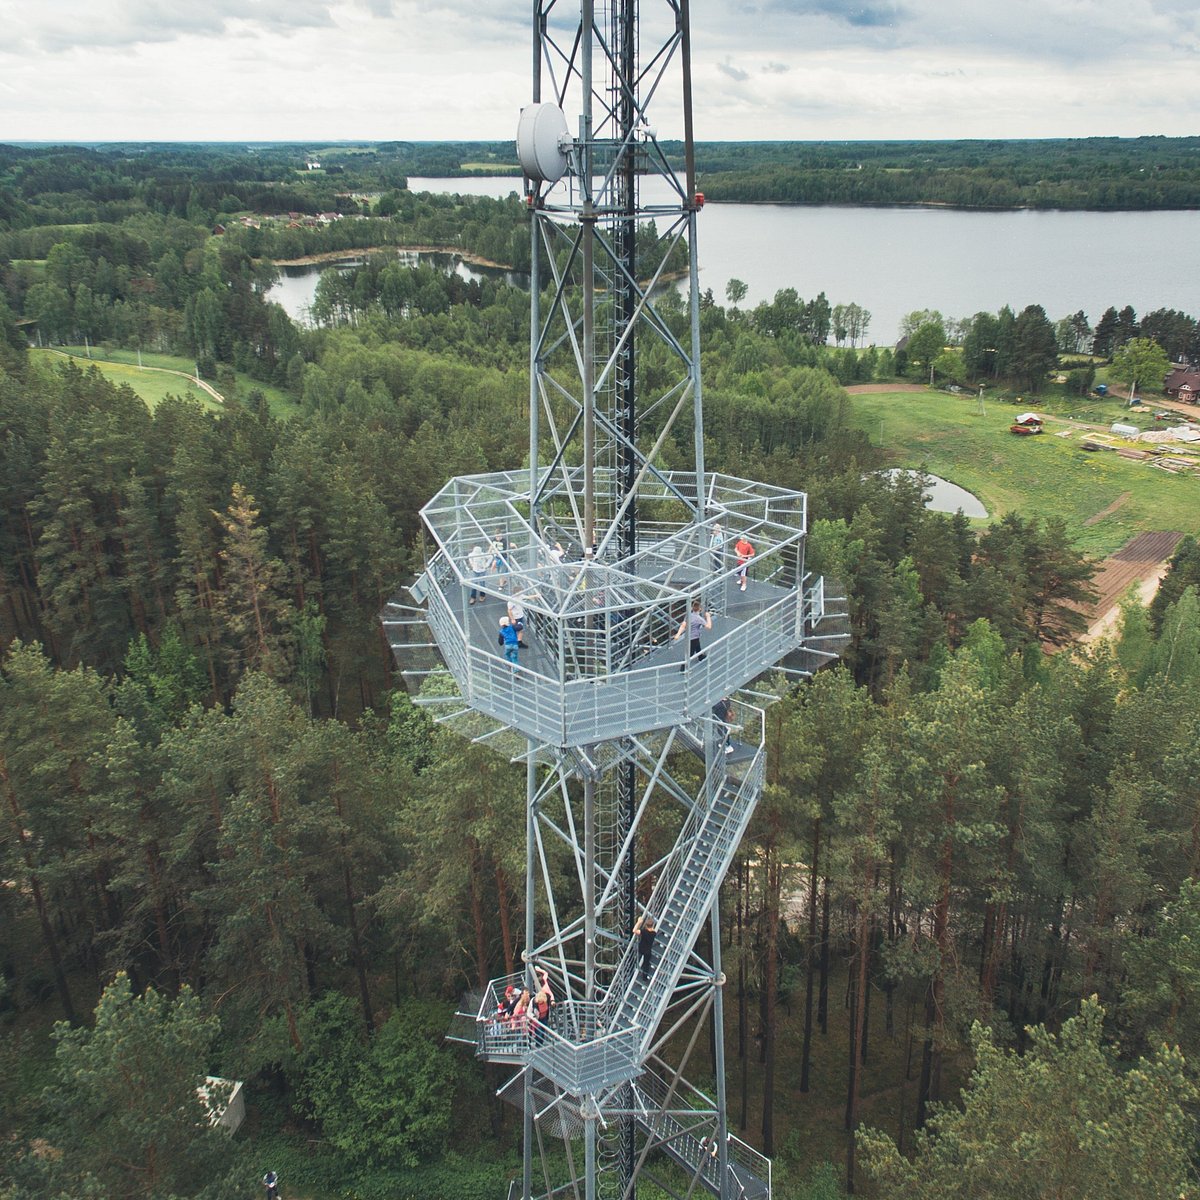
(508, 639)
(723, 711)
(693, 624)
(745, 552)
(500, 561)
(516, 617)
(716, 546)
(478, 563)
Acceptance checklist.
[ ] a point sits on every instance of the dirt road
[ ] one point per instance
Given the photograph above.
(1142, 561)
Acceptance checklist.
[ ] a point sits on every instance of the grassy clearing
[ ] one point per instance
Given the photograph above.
(151, 384)
(1046, 475)
(166, 362)
(485, 168)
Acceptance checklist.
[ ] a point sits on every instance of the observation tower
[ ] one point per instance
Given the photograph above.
(643, 763)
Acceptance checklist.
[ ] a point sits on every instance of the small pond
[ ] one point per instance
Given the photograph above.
(296, 286)
(944, 496)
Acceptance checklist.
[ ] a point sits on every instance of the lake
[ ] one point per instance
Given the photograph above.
(297, 286)
(943, 496)
(894, 260)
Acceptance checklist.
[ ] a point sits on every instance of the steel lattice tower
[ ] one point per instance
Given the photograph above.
(637, 792)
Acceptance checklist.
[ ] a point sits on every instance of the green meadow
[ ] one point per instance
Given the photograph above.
(161, 375)
(1105, 499)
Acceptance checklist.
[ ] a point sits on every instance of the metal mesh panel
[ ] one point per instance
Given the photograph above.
(558, 1114)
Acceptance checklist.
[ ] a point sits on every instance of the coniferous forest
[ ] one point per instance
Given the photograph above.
(963, 931)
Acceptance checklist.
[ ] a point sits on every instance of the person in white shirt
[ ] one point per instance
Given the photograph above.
(516, 615)
(478, 562)
(716, 546)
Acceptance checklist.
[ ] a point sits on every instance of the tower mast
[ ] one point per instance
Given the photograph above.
(644, 762)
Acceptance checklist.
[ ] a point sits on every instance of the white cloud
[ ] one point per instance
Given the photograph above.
(310, 69)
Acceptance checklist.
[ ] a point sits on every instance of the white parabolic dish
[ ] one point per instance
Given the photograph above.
(542, 139)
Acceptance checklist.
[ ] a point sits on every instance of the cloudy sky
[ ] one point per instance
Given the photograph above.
(306, 70)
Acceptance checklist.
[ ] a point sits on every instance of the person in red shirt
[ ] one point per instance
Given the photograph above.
(745, 552)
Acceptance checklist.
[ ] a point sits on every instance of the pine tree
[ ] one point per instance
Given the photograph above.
(255, 613)
(1064, 1120)
(54, 726)
(128, 1117)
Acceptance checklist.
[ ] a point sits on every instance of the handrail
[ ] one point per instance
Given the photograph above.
(727, 833)
(746, 1165)
(573, 711)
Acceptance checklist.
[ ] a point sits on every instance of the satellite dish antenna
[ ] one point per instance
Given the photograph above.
(542, 142)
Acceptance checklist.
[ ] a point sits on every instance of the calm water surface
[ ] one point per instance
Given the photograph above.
(894, 260)
(943, 496)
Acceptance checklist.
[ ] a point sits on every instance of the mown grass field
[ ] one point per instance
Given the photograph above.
(152, 382)
(1047, 475)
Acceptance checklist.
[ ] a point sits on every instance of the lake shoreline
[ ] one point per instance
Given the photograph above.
(939, 205)
(332, 256)
(474, 260)
(877, 257)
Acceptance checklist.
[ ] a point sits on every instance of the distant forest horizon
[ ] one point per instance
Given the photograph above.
(1096, 173)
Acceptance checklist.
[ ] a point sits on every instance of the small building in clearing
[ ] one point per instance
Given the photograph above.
(1183, 383)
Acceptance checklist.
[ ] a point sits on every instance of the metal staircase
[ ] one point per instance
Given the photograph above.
(591, 1049)
(683, 900)
(668, 1115)
(634, 1005)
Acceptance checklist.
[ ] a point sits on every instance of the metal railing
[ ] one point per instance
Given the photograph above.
(576, 1045)
(814, 601)
(583, 1064)
(573, 712)
(475, 512)
(749, 1171)
(685, 892)
(591, 1044)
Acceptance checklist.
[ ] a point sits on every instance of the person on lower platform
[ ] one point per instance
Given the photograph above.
(520, 1017)
(694, 624)
(544, 988)
(543, 1004)
(506, 1007)
(645, 931)
(723, 711)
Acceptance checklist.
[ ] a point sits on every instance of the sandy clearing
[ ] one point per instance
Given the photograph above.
(1107, 624)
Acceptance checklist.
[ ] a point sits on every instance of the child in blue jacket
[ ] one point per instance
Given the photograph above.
(508, 639)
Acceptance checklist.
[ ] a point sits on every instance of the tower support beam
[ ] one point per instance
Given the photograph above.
(644, 762)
